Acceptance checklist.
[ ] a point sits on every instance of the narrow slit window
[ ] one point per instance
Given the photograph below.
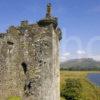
(24, 65)
(10, 43)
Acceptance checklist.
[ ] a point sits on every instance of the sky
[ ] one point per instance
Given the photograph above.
(79, 21)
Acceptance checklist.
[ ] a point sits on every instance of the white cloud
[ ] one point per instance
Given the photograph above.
(65, 56)
(62, 59)
(81, 52)
(95, 57)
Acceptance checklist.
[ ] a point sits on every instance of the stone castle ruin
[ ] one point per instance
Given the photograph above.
(29, 60)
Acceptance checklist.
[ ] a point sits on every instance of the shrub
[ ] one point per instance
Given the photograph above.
(71, 89)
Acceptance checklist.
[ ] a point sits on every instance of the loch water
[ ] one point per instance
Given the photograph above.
(94, 78)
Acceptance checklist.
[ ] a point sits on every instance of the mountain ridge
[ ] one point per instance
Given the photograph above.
(81, 64)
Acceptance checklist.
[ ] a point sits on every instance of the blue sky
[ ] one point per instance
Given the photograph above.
(78, 19)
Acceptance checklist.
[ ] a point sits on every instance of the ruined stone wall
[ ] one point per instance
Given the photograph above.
(29, 63)
(3, 68)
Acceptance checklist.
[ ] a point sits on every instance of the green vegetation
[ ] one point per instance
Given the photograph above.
(72, 89)
(14, 98)
(88, 91)
(84, 64)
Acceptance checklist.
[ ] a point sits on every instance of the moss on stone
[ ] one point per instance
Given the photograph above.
(14, 98)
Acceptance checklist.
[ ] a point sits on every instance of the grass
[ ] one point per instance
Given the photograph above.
(89, 91)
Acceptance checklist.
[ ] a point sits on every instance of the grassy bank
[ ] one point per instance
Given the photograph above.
(89, 91)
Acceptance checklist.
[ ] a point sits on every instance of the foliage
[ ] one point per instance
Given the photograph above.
(72, 89)
(89, 91)
(14, 98)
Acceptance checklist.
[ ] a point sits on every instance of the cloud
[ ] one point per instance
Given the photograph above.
(67, 54)
(78, 55)
(64, 56)
(95, 57)
(81, 52)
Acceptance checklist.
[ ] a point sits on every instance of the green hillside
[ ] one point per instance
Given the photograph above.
(81, 64)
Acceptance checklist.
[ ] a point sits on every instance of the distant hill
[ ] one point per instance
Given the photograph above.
(81, 64)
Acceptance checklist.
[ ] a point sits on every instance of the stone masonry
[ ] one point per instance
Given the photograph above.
(29, 60)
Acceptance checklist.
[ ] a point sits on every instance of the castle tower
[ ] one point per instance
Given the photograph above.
(30, 59)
